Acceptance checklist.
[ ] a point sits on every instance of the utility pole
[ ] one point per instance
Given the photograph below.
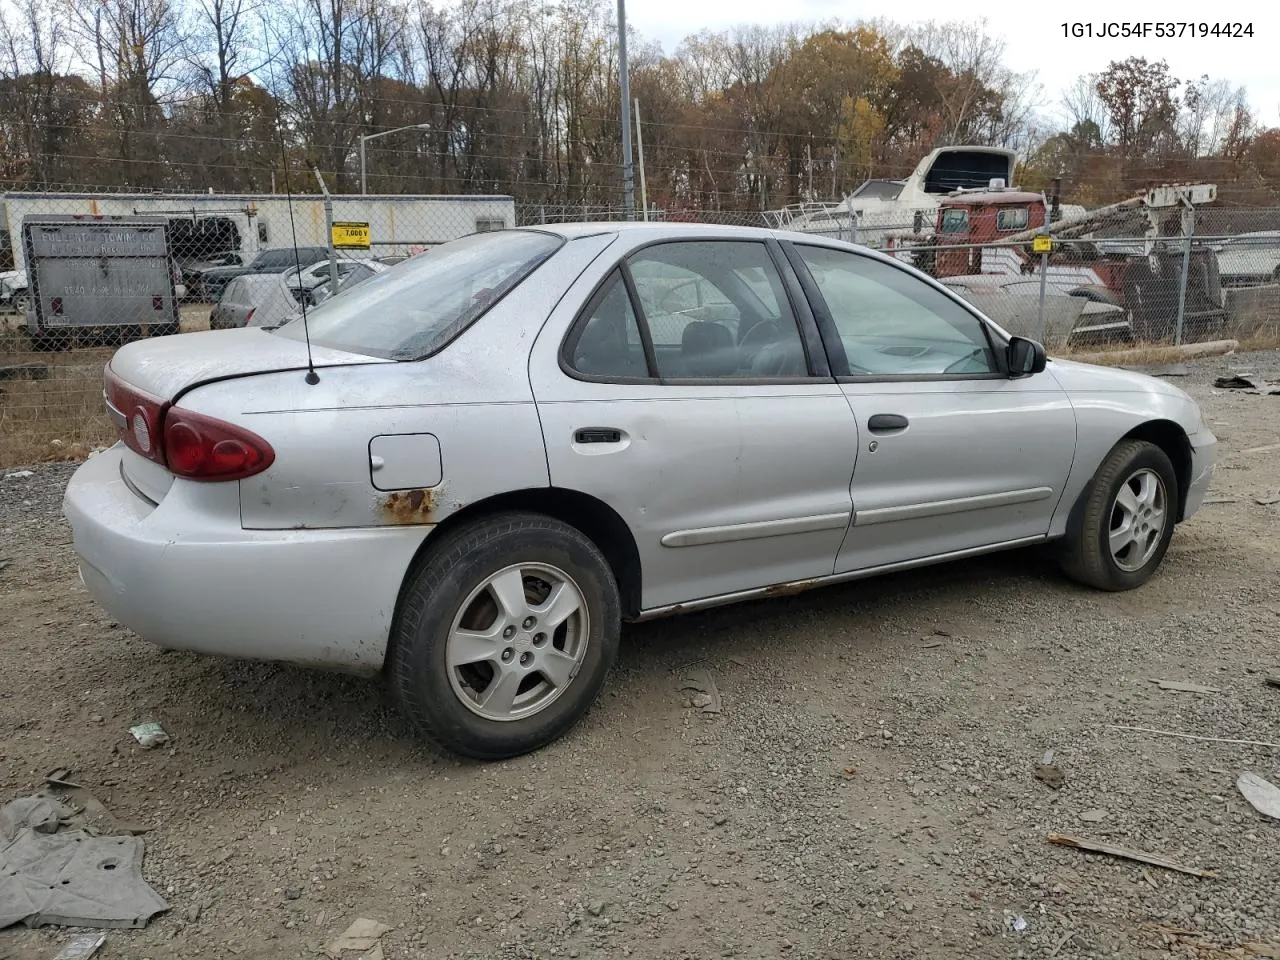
(328, 223)
(628, 173)
(644, 194)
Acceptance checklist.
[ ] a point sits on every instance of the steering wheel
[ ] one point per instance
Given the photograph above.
(766, 331)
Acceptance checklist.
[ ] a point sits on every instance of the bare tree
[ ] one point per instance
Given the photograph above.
(43, 109)
(136, 47)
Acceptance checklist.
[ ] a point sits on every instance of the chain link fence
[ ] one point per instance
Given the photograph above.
(81, 273)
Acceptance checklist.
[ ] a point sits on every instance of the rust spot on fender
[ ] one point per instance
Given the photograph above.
(411, 506)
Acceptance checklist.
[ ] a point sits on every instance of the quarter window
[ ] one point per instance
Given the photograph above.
(891, 323)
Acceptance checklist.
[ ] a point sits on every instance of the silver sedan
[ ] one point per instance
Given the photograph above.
(468, 472)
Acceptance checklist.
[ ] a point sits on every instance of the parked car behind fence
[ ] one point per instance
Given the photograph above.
(269, 299)
(1071, 311)
(275, 261)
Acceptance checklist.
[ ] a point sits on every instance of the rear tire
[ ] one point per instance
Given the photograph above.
(1120, 530)
(504, 636)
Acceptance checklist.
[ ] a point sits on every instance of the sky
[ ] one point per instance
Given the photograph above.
(1033, 35)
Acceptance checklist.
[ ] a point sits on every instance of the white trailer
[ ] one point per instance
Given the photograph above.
(398, 224)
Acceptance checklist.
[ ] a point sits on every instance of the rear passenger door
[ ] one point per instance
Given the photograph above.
(685, 387)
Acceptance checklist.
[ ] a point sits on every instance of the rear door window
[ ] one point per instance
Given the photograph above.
(717, 310)
(606, 341)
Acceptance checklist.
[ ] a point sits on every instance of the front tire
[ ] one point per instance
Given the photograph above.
(504, 636)
(1120, 531)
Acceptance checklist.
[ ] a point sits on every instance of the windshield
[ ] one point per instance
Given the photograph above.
(414, 308)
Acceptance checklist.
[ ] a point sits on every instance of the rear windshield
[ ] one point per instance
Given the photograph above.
(416, 307)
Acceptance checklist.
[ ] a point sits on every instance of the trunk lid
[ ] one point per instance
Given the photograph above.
(144, 377)
(166, 367)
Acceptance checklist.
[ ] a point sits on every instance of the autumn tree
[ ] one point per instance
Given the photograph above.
(522, 97)
(1141, 106)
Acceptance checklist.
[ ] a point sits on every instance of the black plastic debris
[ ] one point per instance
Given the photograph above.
(1235, 383)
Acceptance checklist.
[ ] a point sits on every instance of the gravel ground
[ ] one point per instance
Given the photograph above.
(867, 791)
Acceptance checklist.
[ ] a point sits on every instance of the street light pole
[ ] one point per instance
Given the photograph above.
(628, 173)
(366, 137)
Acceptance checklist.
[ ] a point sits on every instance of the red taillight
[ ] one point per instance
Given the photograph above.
(191, 445)
(203, 448)
(137, 416)
(55, 304)
(249, 316)
(157, 303)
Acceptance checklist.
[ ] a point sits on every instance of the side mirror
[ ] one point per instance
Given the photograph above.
(1025, 357)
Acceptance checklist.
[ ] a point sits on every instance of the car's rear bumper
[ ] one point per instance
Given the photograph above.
(1204, 456)
(184, 575)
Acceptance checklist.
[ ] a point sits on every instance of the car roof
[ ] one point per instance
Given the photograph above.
(657, 229)
(994, 198)
(641, 232)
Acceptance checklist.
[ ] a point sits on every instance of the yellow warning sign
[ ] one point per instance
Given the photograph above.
(1042, 244)
(349, 235)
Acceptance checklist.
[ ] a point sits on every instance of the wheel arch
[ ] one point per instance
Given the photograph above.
(591, 516)
(1173, 440)
(1169, 437)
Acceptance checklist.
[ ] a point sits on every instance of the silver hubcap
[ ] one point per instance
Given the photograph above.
(1137, 520)
(517, 642)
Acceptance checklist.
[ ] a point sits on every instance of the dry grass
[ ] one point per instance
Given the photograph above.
(60, 417)
(1142, 354)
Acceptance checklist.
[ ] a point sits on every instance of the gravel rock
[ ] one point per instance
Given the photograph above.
(289, 773)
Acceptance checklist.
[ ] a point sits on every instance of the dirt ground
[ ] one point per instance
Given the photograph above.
(867, 791)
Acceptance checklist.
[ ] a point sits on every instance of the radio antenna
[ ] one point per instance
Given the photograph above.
(312, 377)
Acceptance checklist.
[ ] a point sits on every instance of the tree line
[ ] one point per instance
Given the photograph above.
(522, 97)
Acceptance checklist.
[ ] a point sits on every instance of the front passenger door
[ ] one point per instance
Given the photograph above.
(955, 456)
